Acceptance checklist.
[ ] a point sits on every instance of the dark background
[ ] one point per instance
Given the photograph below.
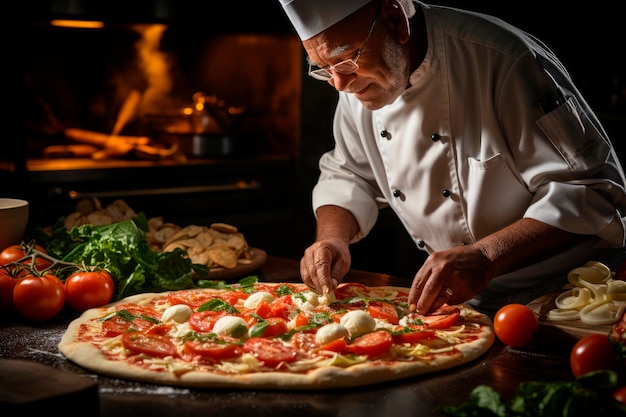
(589, 40)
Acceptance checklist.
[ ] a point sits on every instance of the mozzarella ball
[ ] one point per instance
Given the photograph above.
(358, 322)
(330, 332)
(255, 299)
(178, 313)
(230, 326)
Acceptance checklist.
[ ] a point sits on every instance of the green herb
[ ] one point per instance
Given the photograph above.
(588, 395)
(218, 305)
(284, 290)
(259, 328)
(123, 250)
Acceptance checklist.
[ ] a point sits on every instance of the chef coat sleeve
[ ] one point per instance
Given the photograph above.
(562, 153)
(346, 179)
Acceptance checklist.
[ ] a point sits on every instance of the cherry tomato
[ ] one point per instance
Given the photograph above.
(89, 289)
(39, 298)
(7, 284)
(150, 344)
(371, 344)
(620, 271)
(16, 252)
(620, 394)
(593, 352)
(268, 351)
(515, 325)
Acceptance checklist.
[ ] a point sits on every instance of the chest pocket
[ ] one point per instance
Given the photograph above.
(504, 201)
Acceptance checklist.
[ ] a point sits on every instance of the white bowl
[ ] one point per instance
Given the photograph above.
(13, 221)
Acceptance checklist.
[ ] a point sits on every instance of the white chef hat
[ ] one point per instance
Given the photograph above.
(310, 17)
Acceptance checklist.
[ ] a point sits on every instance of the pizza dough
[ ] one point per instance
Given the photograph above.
(117, 340)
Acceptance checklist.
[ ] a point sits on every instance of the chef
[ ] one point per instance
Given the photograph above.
(472, 131)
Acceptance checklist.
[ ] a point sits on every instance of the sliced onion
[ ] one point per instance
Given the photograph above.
(562, 314)
(592, 272)
(602, 312)
(576, 298)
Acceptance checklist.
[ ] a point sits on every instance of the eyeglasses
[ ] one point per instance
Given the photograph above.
(349, 66)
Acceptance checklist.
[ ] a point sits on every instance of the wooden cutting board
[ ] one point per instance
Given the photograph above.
(576, 328)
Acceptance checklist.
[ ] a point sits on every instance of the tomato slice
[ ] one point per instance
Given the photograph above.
(304, 341)
(350, 289)
(338, 345)
(149, 344)
(442, 318)
(371, 344)
(204, 321)
(117, 325)
(192, 298)
(212, 350)
(270, 352)
(161, 328)
(384, 311)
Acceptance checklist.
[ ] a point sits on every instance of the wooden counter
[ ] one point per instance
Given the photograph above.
(501, 367)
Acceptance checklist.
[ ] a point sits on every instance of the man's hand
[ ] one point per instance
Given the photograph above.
(324, 264)
(451, 276)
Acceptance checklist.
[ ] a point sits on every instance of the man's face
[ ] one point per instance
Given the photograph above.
(382, 72)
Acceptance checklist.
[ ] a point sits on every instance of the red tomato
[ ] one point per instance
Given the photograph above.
(7, 284)
(192, 298)
(212, 350)
(338, 345)
(444, 317)
(620, 394)
(89, 289)
(515, 325)
(118, 325)
(39, 298)
(150, 344)
(305, 341)
(276, 326)
(371, 344)
(263, 309)
(383, 310)
(593, 352)
(16, 252)
(204, 321)
(268, 351)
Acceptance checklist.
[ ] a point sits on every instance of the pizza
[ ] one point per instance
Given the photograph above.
(252, 334)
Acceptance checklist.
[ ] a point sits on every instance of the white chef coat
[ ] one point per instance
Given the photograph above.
(490, 131)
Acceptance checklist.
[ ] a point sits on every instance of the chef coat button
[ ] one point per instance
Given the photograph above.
(435, 137)
(385, 134)
(421, 244)
(399, 194)
(446, 193)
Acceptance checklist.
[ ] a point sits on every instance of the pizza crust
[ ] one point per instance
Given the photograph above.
(90, 357)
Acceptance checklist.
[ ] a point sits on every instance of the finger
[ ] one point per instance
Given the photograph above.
(322, 261)
(430, 295)
(305, 273)
(417, 288)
